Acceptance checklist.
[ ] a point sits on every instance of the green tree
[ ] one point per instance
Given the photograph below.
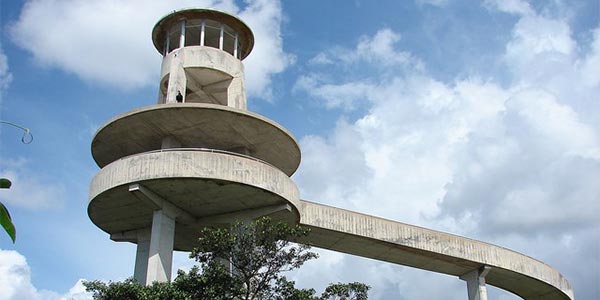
(246, 261)
(346, 291)
(259, 253)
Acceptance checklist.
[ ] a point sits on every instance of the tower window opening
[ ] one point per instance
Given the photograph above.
(182, 36)
(212, 34)
(229, 39)
(174, 37)
(221, 37)
(203, 32)
(236, 46)
(193, 30)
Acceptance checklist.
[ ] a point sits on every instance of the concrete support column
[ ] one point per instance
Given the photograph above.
(141, 255)
(476, 287)
(161, 248)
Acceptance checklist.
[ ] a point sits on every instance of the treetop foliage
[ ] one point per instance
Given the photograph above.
(245, 261)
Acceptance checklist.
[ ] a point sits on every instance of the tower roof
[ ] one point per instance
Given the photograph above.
(245, 35)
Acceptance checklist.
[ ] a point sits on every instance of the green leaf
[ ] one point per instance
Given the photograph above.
(6, 222)
(5, 183)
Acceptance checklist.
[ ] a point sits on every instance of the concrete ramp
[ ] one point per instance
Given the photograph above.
(371, 237)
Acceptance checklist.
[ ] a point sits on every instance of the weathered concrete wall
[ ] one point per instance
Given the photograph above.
(194, 164)
(372, 237)
(196, 125)
(174, 63)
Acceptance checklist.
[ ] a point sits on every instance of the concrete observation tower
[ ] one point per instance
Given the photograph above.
(198, 158)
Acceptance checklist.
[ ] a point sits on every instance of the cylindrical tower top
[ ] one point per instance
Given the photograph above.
(203, 27)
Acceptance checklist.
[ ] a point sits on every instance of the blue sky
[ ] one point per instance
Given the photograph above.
(476, 118)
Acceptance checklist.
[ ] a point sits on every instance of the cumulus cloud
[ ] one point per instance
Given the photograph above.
(400, 151)
(540, 46)
(379, 50)
(530, 131)
(542, 158)
(386, 280)
(347, 95)
(15, 281)
(508, 163)
(264, 18)
(109, 42)
(16, 277)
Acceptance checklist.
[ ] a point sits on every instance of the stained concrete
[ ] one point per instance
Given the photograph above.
(367, 236)
(210, 75)
(196, 125)
(203, 184)
(160, 254)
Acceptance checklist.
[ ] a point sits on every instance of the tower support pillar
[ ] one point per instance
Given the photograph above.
(141, 256)
(160, 256)
(476, 287)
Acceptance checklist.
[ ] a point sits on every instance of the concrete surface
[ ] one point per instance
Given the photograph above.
(476, 287)
(367, 236)
(196, 125)
(142, 254)
(203, 75)
(160, 254)
(213, 188)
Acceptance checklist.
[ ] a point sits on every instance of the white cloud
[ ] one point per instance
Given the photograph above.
(29, 190)
(109, 42)
(321, 59)
(15, 277)
(540, 46)
(77, 292)
(341, 153)
(591, 63)
(378, 49)
(5, 75)
(502, 163)
(267, 58)
(347, 95)
(553, 123)
(400, 151)
(387, 281)
(15, 281)
(518, 7)
(462, 141)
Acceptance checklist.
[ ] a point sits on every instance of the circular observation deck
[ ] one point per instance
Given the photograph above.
(203, 27)
(196, 125)
(211, 188)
